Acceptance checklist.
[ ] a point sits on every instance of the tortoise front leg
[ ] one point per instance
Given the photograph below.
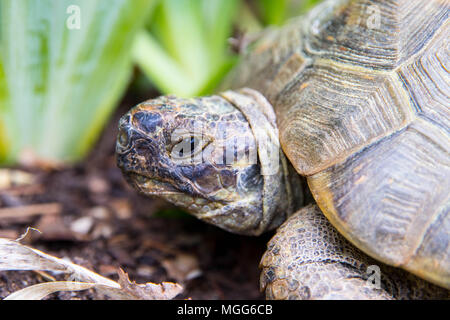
(308, 259)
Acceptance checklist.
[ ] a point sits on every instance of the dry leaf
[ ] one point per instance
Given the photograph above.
(41, 290)
(15, 256)
(183, 267)
(148, 291)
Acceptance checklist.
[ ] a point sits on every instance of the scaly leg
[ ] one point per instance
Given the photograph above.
(308, 259)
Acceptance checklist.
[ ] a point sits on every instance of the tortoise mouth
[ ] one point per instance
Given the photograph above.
(151, 186)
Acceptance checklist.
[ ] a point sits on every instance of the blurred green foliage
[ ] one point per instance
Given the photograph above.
(276, 12)
(58, 84)
(184, 48)
(63, 66)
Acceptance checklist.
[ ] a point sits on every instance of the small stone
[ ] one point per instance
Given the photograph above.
(82, 225)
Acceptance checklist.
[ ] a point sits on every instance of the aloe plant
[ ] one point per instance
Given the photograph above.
(63, 66)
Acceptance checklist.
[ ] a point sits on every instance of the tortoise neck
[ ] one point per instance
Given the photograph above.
(281, 184)
(262, 120)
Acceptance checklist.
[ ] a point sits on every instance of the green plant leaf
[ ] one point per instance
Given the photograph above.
(63, 66)
(277, 12)
(273, 12)
(185, 50)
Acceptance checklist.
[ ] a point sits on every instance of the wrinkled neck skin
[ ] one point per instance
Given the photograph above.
(282, 191)
(253, 190)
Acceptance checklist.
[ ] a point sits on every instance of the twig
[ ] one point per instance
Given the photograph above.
(31, 210)
(25, 190)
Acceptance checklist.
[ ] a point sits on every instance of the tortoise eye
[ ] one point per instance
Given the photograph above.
(188, 146)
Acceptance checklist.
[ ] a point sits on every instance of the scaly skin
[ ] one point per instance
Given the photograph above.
(309, 259)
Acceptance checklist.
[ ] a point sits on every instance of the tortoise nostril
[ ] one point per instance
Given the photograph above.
(123, 139)
(123, 136)
(125, 120)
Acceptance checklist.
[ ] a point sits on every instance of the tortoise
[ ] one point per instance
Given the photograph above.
(332, 129)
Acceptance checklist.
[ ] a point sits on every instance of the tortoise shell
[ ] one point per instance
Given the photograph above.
(361, 94)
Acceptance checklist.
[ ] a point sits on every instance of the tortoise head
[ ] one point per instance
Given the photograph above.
(200, 154)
